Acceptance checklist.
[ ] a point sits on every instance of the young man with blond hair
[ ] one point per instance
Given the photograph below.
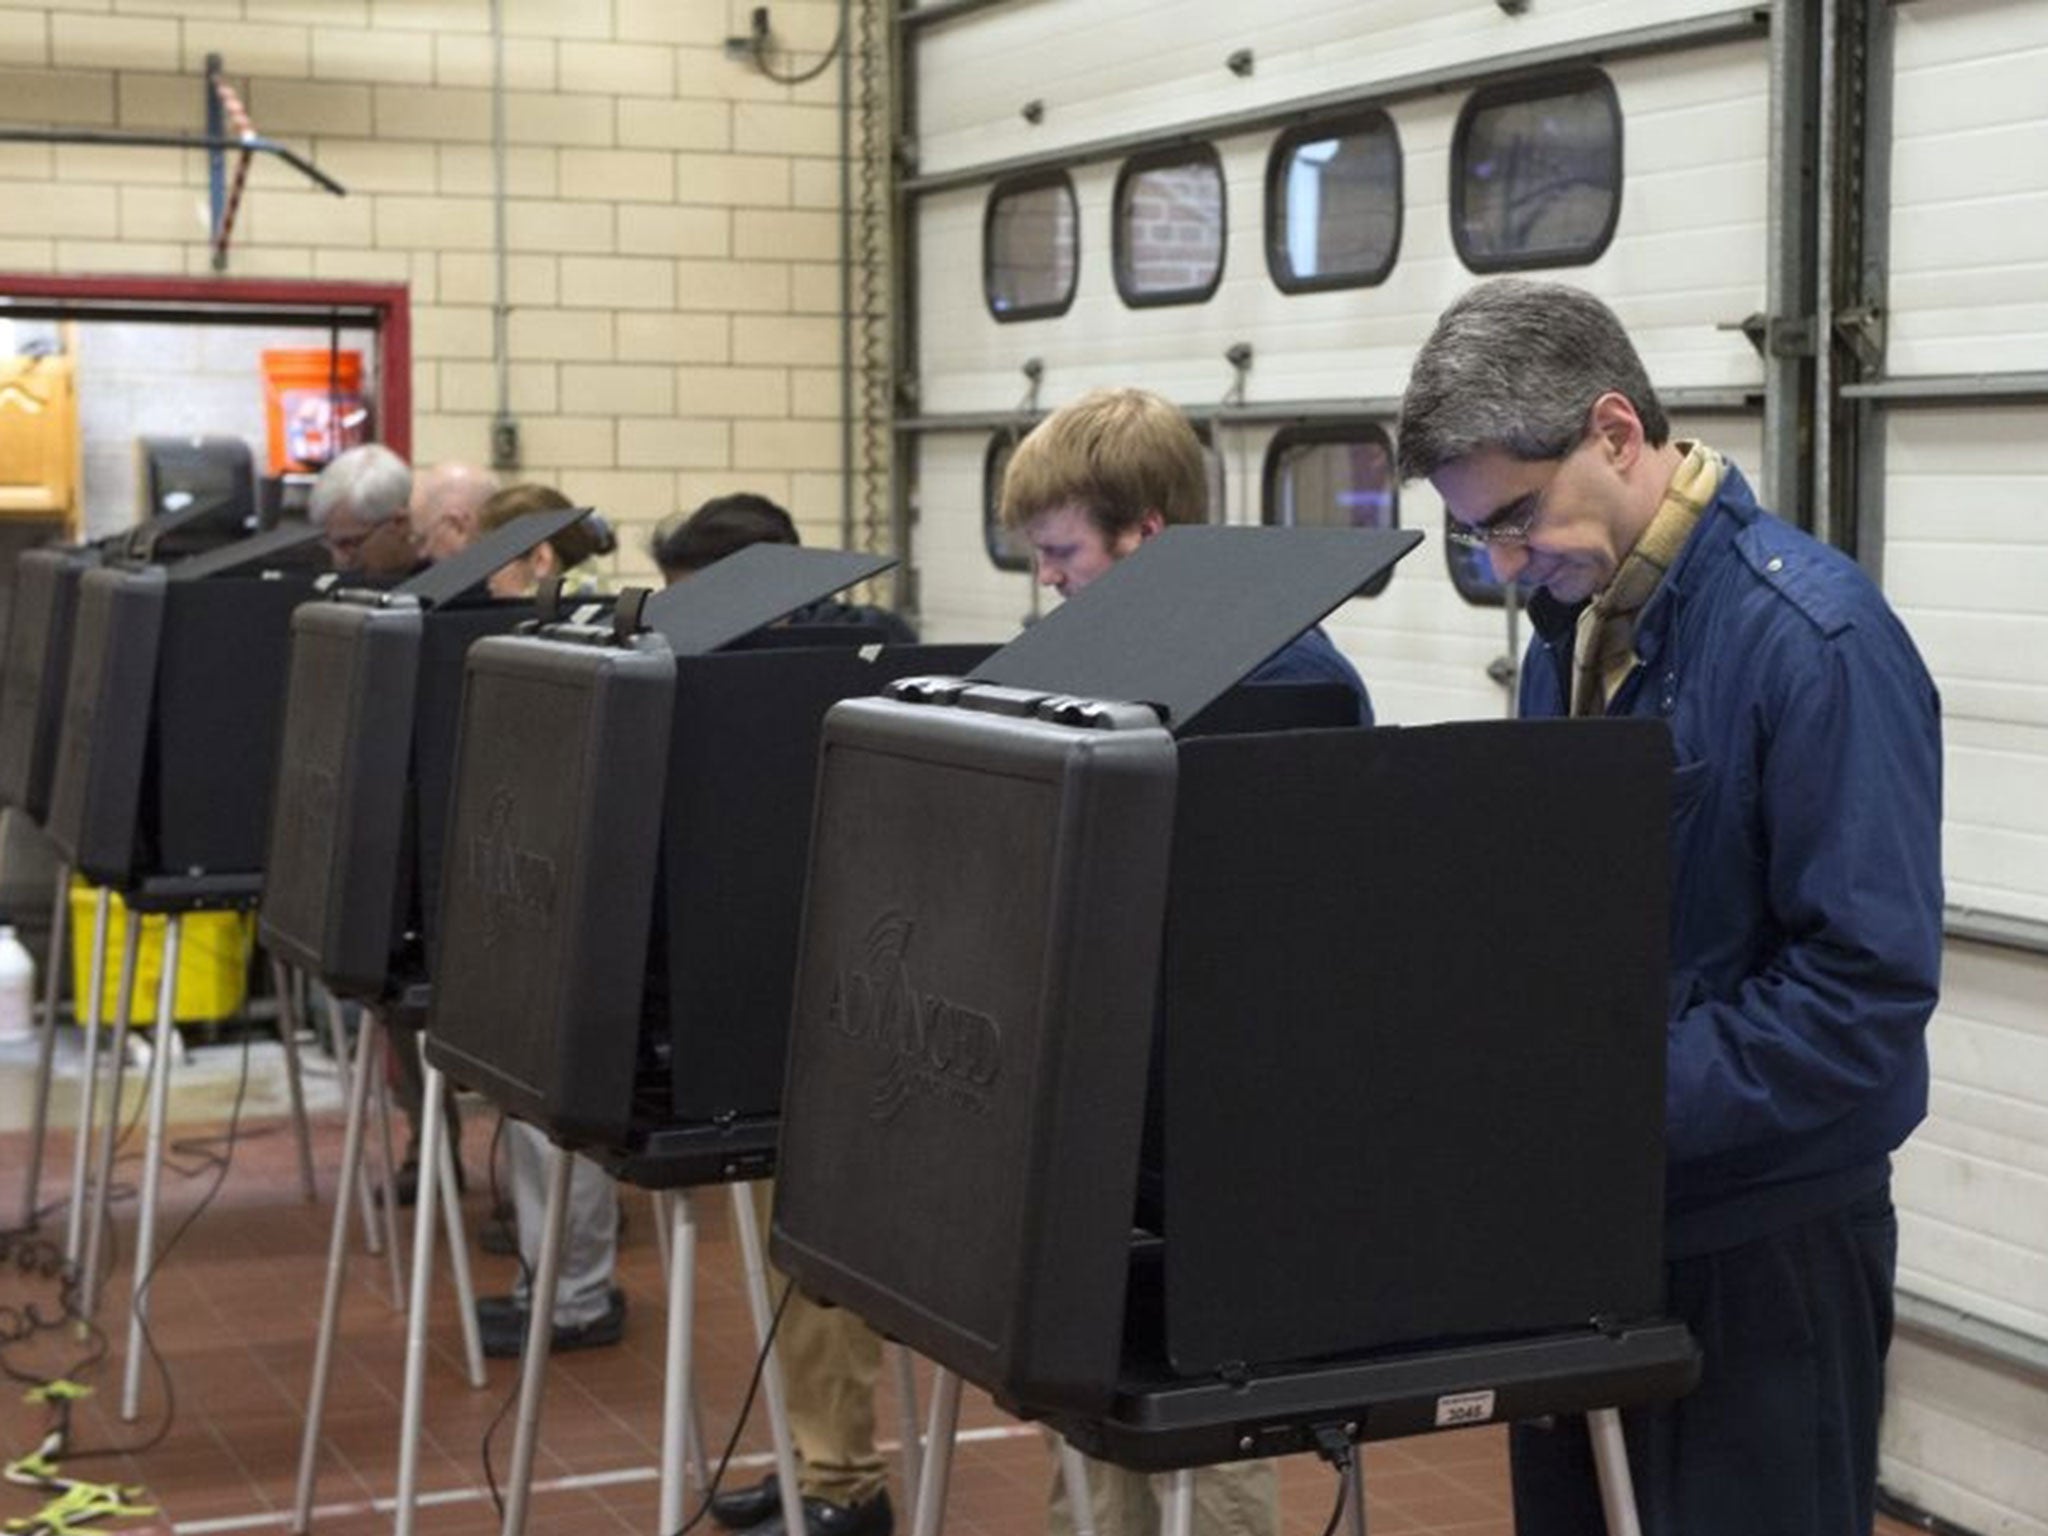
(1091, 483)
(1100, 476)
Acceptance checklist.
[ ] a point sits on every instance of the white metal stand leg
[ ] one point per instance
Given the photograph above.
(458, 1264)
(1354, 1490)
(906, 1415)
(102, 1187)
(337, 1268)
(74, 1227)
(1610, 1458)
(938, 1454)
(387, 1210)
(1074, 1474)
(347, 1071)
(152, 1171)
(659, 1199)
(755, 1263)
(432, 1130)
(680, 1247)
(46, 1049)
(1177, 1515)
(540, 1334)
(288, 1032)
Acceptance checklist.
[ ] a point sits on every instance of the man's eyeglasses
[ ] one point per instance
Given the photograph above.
(1510, 525)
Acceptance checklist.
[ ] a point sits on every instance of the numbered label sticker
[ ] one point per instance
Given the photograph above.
(1463, 1408)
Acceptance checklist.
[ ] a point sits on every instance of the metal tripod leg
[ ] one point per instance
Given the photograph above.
(345, 1070)
(387, 1161)
(1177, 1514)
(1354, 1490)
(1610, 1458)
(288, 1032)
(693, 1440)
(752, 1259)
(458, 1264)
(1074, 1475)
(540, 1333)
(46, 1049)
(681, 1249)
(337, 1267)
(938, 1454)
(74, 1227)
(152, 1172)
(433, 1128)
(102, 1188)
(906, 1412)
(659, 1199)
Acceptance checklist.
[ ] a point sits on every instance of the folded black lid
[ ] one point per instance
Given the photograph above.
(446, 580)
(749, 588)
(1191, 611)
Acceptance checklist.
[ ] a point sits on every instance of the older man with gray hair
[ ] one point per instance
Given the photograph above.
(445, 502)
(359, 505)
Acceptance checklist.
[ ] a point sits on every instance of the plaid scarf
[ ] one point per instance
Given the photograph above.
(1603, 653)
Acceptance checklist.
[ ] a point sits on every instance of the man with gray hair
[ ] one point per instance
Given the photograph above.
(359, 505)
(443, 511)
(1806, 898)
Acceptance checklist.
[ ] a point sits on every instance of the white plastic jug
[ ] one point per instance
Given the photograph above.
(17, 988)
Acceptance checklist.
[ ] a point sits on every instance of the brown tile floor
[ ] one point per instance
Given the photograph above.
(234, 1313)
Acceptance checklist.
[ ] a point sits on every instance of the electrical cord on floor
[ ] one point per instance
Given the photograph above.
(525, 1284)
(740, 1421)
(1334, 1445)
(223, 1160)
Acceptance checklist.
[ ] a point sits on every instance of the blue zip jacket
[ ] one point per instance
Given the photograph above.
(1806, 867)
(1313, 657)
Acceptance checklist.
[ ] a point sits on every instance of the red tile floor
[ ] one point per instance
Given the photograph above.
(234, 1312)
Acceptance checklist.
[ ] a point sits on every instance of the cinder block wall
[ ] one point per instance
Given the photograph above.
(672, 217)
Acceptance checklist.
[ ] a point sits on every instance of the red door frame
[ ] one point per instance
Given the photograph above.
(390, 303)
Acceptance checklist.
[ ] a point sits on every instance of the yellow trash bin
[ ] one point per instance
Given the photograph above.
(213, 960)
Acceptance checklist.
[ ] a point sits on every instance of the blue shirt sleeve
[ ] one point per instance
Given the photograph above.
(1313, 657)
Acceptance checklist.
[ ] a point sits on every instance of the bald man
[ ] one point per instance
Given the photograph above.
(444, 506)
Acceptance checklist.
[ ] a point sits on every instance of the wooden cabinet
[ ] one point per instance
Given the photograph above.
(39, 439)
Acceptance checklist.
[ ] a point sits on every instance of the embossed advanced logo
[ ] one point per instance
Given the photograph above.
(516, 885)
(924, 1044)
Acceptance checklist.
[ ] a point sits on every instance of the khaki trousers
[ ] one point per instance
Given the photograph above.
(1239, 1498)
(830, 1363)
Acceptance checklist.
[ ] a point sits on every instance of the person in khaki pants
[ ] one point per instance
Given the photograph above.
(830, 1358)
(830, 1363)
(1091, 483)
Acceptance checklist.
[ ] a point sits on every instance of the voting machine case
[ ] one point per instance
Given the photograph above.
(1398, 1104)
(36, 665)
(697, 771)
(1398, 1100)
(365, 759)
(554, 840)
(171, 714)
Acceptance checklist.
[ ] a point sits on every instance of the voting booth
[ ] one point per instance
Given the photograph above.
(625, 859)
(367, 749)
(37, 661)
(1201, 1093)
(169, 736)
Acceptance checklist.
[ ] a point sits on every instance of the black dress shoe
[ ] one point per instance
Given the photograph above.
(501, 1323)
(870, 1517)
(738, 1508)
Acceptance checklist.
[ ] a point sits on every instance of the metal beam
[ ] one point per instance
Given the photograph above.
(932, 12)
(1937, 389)
(1698, 32)
(2025, 934)
(1973, 1335)
(134, 139)
(1730, 399)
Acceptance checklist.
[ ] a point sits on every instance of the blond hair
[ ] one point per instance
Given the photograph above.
(1119, 454)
